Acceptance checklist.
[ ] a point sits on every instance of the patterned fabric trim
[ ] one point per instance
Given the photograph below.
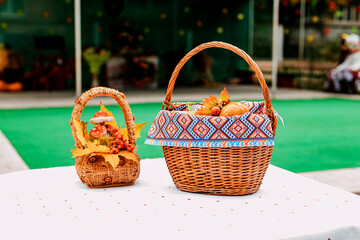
(241, 143)
(183, 129)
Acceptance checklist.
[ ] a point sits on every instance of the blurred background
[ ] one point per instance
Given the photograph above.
(53, 50)
(136, 44)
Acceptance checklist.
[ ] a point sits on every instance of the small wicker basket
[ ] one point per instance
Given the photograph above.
(217, 170)
(92, 169)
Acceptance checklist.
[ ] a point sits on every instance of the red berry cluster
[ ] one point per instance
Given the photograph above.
(119, 142)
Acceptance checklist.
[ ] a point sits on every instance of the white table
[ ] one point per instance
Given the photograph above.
(54, 204)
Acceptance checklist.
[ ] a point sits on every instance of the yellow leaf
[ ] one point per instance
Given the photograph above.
(113, 122)
(90, 147)
(80, 152)
(128, 155)
(113, 159)
(224, 95)
(97, 148)
(138, 128)
(80, 128)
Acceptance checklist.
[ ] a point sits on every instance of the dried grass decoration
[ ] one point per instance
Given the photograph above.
(105, 155)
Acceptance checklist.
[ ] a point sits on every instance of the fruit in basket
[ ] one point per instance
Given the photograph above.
(215, 111)
(233, 108)
(213, 106)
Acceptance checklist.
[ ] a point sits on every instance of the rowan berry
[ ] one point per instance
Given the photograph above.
(115, 150)
(130, 147)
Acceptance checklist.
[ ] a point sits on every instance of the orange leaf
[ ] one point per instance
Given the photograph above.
(200, 111)
(209, 101)
(224, 95)
(213, 99)
(208, 104)
(206, 101)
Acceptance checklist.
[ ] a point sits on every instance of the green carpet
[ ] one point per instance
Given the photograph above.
(318, 134)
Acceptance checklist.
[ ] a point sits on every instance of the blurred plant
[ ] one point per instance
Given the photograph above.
(331, 51)
(95, 57)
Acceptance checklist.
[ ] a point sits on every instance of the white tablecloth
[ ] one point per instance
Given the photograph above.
(54, 204)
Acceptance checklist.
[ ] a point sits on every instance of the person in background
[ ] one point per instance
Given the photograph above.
(348, 71)
(344, 51)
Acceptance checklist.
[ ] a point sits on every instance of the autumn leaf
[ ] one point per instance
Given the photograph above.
(128, 155)
(113, 122)
(113, 159)
(97, 147)
(138, 128)
(77, 152)
(203, 111)
(80, 129)
(224, 95)
(208, 104)
(90, 147)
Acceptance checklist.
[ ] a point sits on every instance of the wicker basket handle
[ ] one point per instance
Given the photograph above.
(269, 109)
(103, 91)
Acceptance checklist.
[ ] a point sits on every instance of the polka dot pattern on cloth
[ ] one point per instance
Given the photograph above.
(62, 207)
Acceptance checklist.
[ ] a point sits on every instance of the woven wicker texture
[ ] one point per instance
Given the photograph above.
(92, 169)
(219, 171)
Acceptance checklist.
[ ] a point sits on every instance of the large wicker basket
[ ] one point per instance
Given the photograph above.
(220, 170)
(92, 169)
